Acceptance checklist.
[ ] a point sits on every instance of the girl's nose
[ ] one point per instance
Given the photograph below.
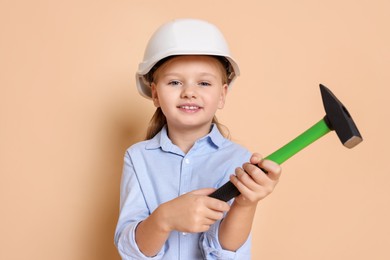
(189, 91)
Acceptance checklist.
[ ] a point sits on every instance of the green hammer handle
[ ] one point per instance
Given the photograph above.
(229, 191)
(311, 135)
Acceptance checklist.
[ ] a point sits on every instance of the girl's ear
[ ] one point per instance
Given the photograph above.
(222, 98)
(154, 95)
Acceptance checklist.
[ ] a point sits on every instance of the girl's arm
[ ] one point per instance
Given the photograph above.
(191, 212)
(151, 234)
(254, 186)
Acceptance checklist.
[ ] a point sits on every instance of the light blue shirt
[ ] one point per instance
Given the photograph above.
(156, 171)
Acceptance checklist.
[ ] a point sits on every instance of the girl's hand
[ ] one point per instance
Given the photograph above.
(192, 212)
(253, 183)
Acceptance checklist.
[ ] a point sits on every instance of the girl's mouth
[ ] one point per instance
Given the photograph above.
(189, 108)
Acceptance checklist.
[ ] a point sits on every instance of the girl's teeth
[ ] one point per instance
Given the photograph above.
(189, 107)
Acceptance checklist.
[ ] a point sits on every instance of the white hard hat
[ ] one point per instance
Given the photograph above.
(183, 37)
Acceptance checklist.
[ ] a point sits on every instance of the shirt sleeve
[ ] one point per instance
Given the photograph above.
(212, 249)
(133, 209)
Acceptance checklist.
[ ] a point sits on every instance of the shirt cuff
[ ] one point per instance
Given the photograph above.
(212, 249)
(128, 248)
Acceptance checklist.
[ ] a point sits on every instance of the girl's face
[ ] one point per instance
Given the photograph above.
(189, 90)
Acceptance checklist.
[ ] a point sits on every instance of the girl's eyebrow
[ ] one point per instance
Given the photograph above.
(170, 74)
(208, 74)
(179, 74)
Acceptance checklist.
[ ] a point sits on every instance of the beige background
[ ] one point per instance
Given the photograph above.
(69, 109)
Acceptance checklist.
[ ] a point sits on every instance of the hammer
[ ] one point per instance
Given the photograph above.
(337, 118)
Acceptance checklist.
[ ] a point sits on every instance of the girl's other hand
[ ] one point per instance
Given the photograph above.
(253, 183)
(192, 212)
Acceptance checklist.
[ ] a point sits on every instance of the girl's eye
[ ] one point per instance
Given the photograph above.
(204, 84)
(174, 83)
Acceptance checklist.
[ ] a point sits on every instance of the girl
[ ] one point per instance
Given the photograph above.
(166, 212)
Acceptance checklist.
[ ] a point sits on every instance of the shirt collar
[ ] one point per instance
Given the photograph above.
(215, 136)
(161, 139)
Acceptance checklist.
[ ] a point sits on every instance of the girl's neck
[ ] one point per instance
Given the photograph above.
(185, 138)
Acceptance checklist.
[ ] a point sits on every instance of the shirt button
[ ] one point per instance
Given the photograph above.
(187, 161)
(184, 233)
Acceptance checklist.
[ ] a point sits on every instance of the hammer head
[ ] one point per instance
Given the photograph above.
(338, 118)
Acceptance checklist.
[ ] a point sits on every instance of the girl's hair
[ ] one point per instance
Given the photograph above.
(158, 119)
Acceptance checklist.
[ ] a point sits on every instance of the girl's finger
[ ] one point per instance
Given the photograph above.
(274, 170)
(256, 158)
(256, 173)
(239, 185)
(246, 179)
